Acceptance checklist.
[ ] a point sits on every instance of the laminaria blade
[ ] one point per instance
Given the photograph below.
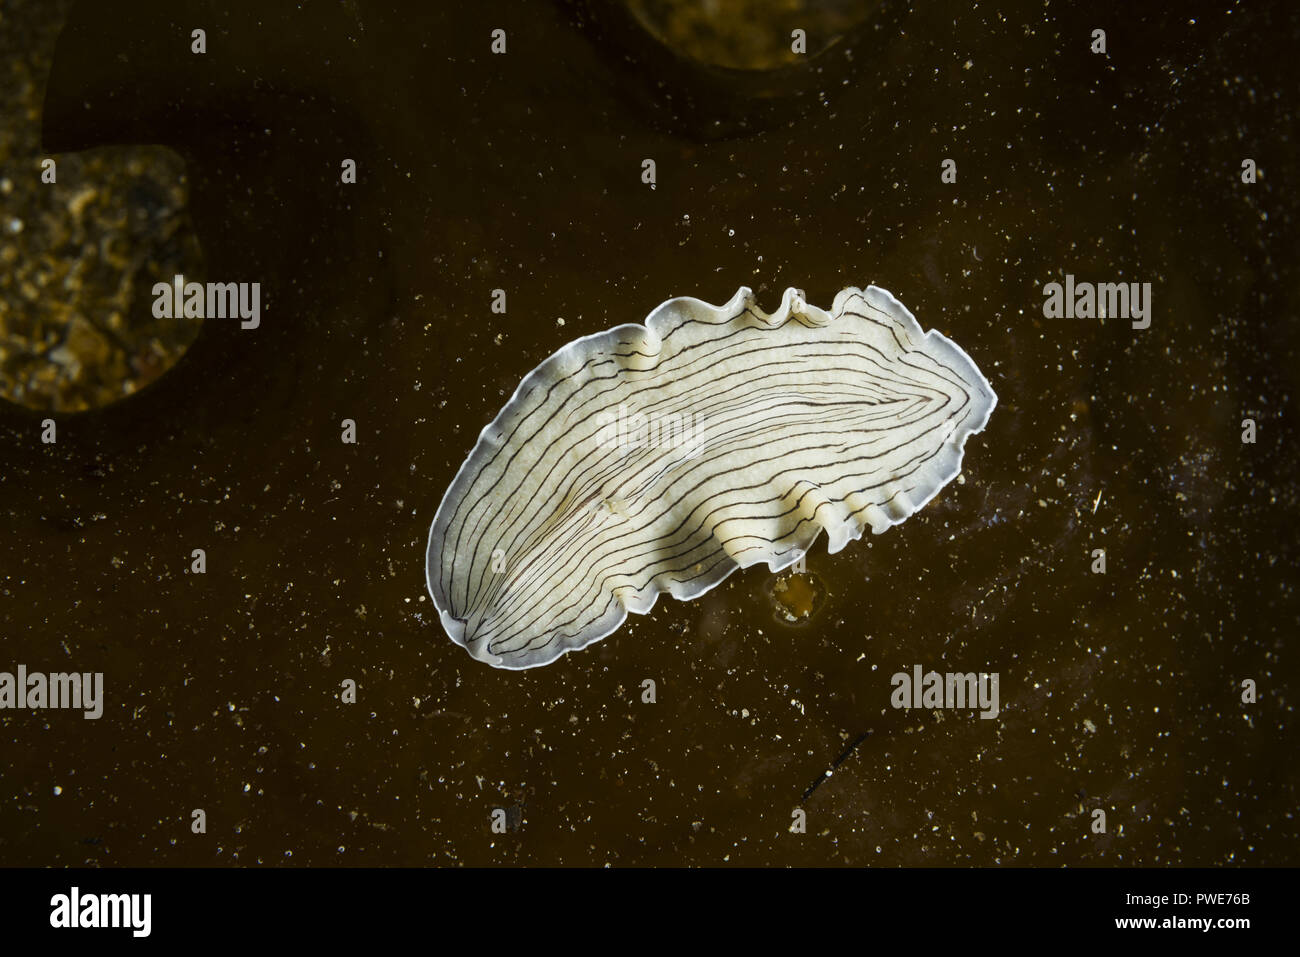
(662, 457)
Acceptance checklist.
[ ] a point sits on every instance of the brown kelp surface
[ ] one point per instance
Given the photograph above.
(523, 171)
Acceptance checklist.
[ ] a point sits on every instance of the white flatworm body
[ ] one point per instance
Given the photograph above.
(662, 457)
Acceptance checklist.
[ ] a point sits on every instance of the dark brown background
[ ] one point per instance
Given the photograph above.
(523, 172)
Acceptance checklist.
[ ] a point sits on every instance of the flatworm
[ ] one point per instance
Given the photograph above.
(662, 457)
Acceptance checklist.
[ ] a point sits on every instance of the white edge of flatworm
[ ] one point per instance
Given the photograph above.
(792, 302)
